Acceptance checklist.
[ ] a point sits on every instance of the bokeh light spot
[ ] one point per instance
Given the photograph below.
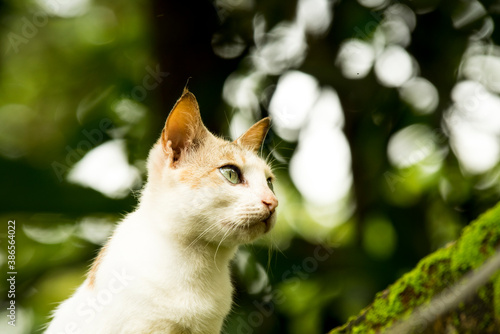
(355, 58)
(421, 94)
(106, 169)
(394, 66)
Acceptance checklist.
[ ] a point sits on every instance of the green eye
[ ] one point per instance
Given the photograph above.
(270, 184)
(231, 173)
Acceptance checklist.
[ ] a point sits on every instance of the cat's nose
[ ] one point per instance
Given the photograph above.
(271, 202)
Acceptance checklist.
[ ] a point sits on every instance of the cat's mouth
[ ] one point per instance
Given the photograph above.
(267, 222)
(250, 225)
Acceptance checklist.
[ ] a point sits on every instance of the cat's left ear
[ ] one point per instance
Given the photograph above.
(253, 138)
(184, 128)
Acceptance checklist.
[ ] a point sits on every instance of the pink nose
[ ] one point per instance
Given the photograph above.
(271, 202)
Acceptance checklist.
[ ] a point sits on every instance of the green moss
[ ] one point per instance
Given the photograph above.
(477, 243)
(433, 274)
(413, 289)
(361, 330)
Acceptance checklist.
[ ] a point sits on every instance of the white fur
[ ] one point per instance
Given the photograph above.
(166, 268)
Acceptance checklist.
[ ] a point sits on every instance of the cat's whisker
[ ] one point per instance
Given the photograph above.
(202, 234)
(276, 249)
(271, 154)
(212, 238)
(274, 163)
(196, 226)
(222, 240)
(279, 167)
(227, 119)
(269, 257)
(270, 159)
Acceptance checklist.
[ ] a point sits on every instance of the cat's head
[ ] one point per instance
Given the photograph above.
(212, 190)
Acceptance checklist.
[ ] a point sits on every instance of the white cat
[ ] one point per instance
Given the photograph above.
(166, 267)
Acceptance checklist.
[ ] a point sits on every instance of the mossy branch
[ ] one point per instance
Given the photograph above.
(453, 290)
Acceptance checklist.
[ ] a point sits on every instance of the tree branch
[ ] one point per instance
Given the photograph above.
(455, 289)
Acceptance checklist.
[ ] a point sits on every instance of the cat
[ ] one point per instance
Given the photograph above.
(165, 269)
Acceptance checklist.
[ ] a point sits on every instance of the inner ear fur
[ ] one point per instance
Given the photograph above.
(253, 138)
(184, 128)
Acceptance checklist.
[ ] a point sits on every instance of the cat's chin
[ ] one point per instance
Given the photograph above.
(247, 232)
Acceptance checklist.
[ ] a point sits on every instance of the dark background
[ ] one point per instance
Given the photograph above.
(414, 140)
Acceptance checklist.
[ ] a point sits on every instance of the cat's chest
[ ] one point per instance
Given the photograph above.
(195, 307)
(205, 291)
(181, 286)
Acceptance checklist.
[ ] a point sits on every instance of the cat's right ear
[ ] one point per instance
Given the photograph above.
(253, 138)
(183, 128)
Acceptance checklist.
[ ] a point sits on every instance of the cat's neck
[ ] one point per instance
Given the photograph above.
(171, 230)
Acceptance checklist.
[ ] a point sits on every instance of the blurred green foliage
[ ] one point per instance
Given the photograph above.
(66, 68)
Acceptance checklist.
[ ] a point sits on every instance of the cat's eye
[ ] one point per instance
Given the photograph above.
(231, 173)
(270, 184)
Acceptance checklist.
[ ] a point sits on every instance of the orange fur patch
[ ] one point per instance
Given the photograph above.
(95, 266)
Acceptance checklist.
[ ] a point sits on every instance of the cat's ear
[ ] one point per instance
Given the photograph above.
(183, 128)
(253, 138)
